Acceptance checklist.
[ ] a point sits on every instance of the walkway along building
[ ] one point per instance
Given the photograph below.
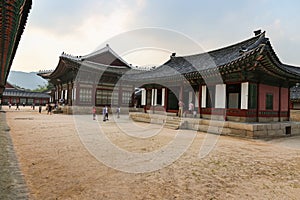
(244, 82)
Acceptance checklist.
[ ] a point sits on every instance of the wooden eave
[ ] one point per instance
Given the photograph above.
(13, 17)
(271, 65)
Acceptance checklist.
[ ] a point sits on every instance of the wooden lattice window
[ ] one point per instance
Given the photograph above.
(269, 101)
(252, 103)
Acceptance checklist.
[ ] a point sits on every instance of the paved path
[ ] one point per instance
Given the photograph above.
(292, 142)
(12, 185)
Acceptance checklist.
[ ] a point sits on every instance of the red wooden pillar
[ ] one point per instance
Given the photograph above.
(57, 93)
(181, 93)
(200, 99)
(94, 94)
(68, 94)
(77, 93)
(166, 99)
(257, 102)
(71, 94)
(133, 103)
(289, 103)
(279, 104)
(120, 95)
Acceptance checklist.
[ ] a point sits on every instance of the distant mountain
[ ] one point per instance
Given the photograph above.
(26, 80)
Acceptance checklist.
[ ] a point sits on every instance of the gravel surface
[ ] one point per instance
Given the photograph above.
(57, 165)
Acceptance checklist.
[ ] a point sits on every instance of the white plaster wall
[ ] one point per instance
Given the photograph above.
(203, 97)
(143, 101)
(244, 95)
(220, 97)
(197, 99)
(163, 92)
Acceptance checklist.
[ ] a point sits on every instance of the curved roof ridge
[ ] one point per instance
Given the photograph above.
(105, 65)
(107, 48)
(256, 40)
(284, 66)
(99, 51)
(118, 56)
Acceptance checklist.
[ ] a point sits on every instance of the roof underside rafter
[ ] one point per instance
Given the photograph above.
(13, 17)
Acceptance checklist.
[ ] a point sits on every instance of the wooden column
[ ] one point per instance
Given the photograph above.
(279, 104)
(257, 103)
(166, 99)
(289, 103)
(181, 93)
(71, 93)
(120, 95)
(59, 92)
(69, 97)
(77, 91)
(94, 89)
(200, 100)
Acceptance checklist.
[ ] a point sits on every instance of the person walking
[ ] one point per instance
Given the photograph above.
(49, 108)
(40, 108)
(17, 106)
(180, 105)
(118, 111)
(106, 112)
(94, 113)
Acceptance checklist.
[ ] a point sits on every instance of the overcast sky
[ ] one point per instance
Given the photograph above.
(79, 27)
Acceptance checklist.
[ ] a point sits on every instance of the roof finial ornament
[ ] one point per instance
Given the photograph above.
(257, 32)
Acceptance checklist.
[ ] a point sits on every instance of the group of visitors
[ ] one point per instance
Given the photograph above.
(48, 107)
(105, 113)
(191, 109)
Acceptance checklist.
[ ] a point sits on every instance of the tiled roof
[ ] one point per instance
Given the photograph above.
(21, 93)
(213, 60)
(103, 60)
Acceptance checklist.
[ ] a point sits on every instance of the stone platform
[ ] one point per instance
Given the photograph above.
(248, 130)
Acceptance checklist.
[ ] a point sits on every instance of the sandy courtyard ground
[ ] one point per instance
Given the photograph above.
(56, 164)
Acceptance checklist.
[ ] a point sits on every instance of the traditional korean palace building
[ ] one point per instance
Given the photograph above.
(13, 95)
(90, 80)
(295, 97)
(243, 82)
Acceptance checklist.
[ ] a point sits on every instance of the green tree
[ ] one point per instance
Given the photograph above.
(43, 88)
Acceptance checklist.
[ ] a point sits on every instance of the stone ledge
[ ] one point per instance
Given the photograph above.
(247, 130)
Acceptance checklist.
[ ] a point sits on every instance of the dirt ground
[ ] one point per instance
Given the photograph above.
(56, 164)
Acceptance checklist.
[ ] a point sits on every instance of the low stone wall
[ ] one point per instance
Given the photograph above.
(248, 130)
(148, 118)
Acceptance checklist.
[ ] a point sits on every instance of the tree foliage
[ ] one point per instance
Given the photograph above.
(43, 88)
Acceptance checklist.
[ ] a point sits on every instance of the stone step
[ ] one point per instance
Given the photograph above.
(170, 126)
(173, 123)
(139, 119)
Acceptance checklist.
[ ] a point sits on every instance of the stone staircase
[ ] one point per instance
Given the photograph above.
(173, 123)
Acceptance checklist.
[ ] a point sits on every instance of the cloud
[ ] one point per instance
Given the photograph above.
(75, 27)
(78, 27)
(63, 18)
